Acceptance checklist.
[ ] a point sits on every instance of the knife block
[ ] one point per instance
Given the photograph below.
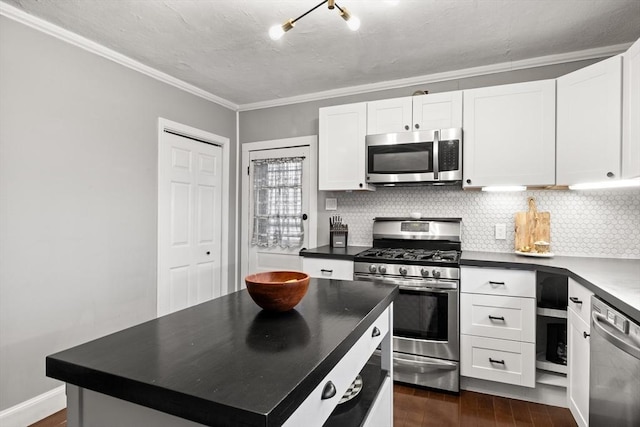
(338, 238)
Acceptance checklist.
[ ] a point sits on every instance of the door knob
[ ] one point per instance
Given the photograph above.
(304, 217)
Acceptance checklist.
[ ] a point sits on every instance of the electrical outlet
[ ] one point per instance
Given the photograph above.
(501, 231)
(330, 204)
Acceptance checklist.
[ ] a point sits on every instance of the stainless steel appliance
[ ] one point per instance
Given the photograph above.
(614, 385)
(433, 156)
(422, 257)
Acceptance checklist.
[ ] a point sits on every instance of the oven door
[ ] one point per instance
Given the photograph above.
(400, 157)
(425, 322)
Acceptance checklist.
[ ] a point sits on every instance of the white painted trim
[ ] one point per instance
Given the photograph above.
(541, 61)
(188, 131)
(34, 409)
(312, 142)
(236, 236)
(98, 49)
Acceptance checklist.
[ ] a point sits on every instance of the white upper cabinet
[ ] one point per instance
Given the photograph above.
(389, 116)
(411, 113)
(341, 147)
(631, 112)
(589, 118)
(509, 135)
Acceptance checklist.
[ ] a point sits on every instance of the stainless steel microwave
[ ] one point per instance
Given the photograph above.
(432, 156)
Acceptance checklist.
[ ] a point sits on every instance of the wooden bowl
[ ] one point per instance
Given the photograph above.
(277, 290)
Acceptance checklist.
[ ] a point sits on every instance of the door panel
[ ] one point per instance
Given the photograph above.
(277, 258)
(189, 222)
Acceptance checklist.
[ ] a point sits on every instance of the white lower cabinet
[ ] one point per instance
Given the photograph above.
(497, 325)
(506, 361)
(578, 357)
(326, 268)
(380, 413)
(321, 402)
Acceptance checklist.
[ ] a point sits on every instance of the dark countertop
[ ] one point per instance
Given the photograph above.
(615, 280)
(334, 253)
(226, 362)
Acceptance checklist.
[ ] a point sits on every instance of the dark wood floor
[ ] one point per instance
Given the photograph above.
(413, 407)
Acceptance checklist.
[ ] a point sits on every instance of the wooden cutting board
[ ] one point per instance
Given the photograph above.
(531, 226)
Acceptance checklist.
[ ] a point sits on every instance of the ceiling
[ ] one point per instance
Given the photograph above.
(223, 47)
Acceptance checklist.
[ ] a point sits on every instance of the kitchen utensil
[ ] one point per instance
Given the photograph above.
(277, 290)
(530, 227)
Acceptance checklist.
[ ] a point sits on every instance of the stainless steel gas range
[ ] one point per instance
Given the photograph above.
(422, 257)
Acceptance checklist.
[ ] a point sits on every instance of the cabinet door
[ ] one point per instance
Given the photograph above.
(578, 367)
(437, 111)
(389, 116)
(509, 135)
(341, 147)
(631, 112)
(589, 123)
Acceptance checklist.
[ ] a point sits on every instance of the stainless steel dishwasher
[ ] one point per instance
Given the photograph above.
(614, 389)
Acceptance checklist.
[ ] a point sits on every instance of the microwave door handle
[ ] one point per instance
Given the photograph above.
(436, 143)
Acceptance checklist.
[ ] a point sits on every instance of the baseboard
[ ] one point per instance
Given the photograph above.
(35, 409)
(542, 393)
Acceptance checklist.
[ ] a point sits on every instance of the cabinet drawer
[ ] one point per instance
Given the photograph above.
(510, 362)
(314, 411)
(510, 318)
(580, 300)
(497, 281)
(324, 268)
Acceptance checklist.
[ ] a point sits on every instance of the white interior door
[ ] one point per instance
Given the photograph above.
(277, 258)
(189, 222)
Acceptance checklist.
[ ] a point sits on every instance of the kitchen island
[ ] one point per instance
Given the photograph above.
(228, 363)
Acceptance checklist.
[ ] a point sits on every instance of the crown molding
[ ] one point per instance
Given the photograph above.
(444, 76)
(39, 24)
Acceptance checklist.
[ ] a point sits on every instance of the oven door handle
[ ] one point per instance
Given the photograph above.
(442, 364)
(440, 290)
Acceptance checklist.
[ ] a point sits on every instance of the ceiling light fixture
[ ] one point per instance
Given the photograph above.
(353, 22)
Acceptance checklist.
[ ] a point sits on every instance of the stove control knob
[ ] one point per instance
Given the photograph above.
(403, 271)
(382, 269)
(436, 274)
(424, 272)
(373, 268)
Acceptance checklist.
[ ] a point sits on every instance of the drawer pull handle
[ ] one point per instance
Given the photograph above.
(375, 332)
(324, 270)
(491, 282)
(585, 335)
(575, 300)
(499, 362)
(501, 318)
(329, 391)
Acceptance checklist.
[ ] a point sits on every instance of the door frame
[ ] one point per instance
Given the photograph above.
(206, 138)
(247, 148)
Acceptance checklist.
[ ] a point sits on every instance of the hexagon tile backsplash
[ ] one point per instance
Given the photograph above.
(598, 223)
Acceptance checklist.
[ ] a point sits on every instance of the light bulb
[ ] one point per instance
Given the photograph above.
(276, 32)
(354, 23)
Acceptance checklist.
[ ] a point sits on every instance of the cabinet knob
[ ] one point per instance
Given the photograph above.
(468, 181)
(304, 217)
(585, 335)
(208, 252)
(575, 300)
(417, 126)
(328, 391)
(375, 332)
(406, 127)
(610, 174)
(360, 185)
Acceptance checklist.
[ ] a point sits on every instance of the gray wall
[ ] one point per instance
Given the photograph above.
(78, 198)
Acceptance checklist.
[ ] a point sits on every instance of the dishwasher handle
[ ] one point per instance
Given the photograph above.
(613, 336)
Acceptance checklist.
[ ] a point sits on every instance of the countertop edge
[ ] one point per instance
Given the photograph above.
(327, 252)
